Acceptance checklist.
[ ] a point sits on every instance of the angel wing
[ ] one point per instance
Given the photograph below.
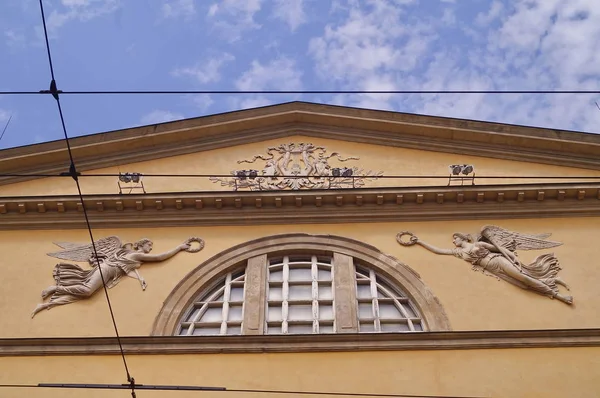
(515, 240)
(83, 252)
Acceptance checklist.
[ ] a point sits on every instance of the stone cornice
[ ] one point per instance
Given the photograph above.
(317, 206)
(464, 340)
(350, 124)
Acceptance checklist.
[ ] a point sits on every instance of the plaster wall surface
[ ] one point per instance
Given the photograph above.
(392, 161)
(556, 372)
(472, 300)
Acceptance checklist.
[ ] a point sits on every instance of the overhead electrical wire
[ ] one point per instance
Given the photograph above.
(275, 92)
(5, 127)
(223, 389)
(75, 175)
(158, 175)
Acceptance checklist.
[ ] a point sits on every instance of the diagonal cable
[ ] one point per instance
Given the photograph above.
(226, 390)
(74, 174)
(5, 127)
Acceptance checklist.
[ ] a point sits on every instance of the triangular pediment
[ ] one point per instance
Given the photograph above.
(280, 163)
(387, 143)
(284, 122)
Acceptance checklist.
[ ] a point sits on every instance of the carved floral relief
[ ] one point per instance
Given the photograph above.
(494, 252)
(297, 166)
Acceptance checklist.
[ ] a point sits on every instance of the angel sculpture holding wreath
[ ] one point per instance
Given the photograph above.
(114, 260)
(494, 252)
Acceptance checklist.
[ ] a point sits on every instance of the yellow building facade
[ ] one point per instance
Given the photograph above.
(304, 247)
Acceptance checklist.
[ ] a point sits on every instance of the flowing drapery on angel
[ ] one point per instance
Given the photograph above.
(113, 261)
(494, 252)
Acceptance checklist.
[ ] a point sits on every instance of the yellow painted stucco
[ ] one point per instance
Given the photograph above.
(472, 300)
(391, 161)
(557, 372)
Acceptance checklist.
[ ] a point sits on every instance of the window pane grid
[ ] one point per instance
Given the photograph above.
(217, 303)
(314, 272)
(218, 312)
(300, 302)
(300, 298)
(285, 295)
(323, 282)
(392, 320)
(402, 300)
(299, 295)
(210, 324)
(382, 308)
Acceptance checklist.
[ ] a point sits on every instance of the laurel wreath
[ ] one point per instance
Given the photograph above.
(412, 241)
(193, 249)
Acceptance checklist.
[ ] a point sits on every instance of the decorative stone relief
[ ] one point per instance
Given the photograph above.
(114, 260)
(297, 166)
(493, 252)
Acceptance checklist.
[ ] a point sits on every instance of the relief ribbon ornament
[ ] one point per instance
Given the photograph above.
(114, 259)
(493, 251)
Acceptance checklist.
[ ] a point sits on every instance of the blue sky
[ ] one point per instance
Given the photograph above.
(295, 45)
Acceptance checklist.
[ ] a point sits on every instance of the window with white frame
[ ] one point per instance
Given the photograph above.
(219, 310)
(300, 293)
(383, 307)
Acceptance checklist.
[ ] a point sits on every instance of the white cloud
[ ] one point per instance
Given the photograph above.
(290, 12)
(178, 8)
(4, 116)
(80, 10)
(493, 13)
(254, 102)
(380, 82)
(203, 102)
(212, 10)
(371, 47)
(449, 16)
(14, 38)
(234, 17)
(75, 3)
(547, 44)
(279, 74)
(535, 44)
(366, 42)
(206, 72)
(160, 116)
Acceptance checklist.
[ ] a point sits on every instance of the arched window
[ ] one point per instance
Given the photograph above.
(299, 299)
(219, 310)
(300, 284)
(299, 295)
(383, 307)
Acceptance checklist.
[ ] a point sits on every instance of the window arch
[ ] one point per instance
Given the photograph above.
(383, 307)
(218, 310)
(298, 284)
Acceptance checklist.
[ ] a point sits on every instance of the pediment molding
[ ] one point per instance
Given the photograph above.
(430, 133)
(314, 206)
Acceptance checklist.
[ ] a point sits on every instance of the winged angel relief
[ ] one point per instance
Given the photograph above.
(493, 252)
(297, 166)
(114, 260)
